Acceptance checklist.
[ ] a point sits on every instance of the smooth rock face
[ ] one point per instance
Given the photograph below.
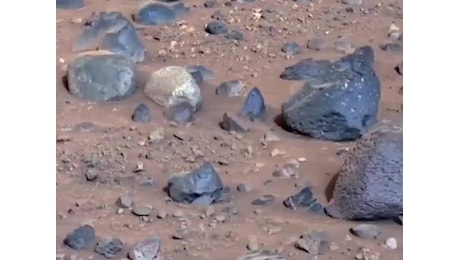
(159, 14)
(203, 181)
(370, 183)
(339, 100)
(81, 237)
(70, 4)
(254, 106)
(172, 85)
(304, 199)
(113, 32)
(102, 77)
(216, 27)
(146, 250)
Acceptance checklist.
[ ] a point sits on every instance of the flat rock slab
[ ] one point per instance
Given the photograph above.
(370, 183)
(98, 76)
(254, 105)
(232, 88)
(262, 254)
(109, 247)
(304, 199)
(159, 14)
(314, 242)
(81, 237)
(339, 100)
(70, 4)
(113, 32)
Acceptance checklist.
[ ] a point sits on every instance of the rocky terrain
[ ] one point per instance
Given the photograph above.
(220, 129)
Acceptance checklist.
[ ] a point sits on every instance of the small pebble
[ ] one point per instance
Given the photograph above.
(211, 3)
(162, 214)
(142, 210)
(216, 28)
(125, 201)
(317, 44)
(365, 231)
(352, 2)
(141, 114)
(232, 88)
(81, 237)
(276, 152)
(91, 174)
(235, 35)
(231, 122)
(291, 48)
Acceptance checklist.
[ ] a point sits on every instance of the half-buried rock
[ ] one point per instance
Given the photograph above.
(159, 14)
(305, 200)
(190, 187)
(102, 76)
(173, 85)
(339, 100)
(114, 32)
(370, 183)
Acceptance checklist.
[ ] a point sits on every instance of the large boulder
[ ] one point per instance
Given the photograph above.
(113, 32)
(370, 183)
(339, 100)
(172, 85)
(102, 76)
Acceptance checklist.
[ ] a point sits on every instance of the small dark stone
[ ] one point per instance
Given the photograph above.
(291, 48)
(264, 200)
(141, 113)
(216, 27)
(180, 113)
(304, 199)
(91, 174)
(365, 231)
(211, 3)
(244, 187)
(317, 44)
(109, 247)
(392, 47)
(155, 14)
(232, 88)
(70, 4)
(206, 74)
(81, 237)
(314, 242)
(254, 106)
(399, 68)
(235, 35)
(232, 122)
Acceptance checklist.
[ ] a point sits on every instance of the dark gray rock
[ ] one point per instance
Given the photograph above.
(180, 113)
(232, 88)
(109, 247)
(392, 47)
(235, 35)
(202, 181)
(254, 105)
(141, 113)
(291, 48)
(339, 100)
(232, 122)
(216, 27)
(399, 68)
(102, 77)
(370, 183)
(70, 4)
(343, 45)
(317, 44)
(125, 201)
(159, 14)
(365, 231)
(304, 199)
(206, 73)
(211, 3)
(113, 32)
(81, 237)
(314, 242)
(146, 250)
(197, 76)
(264, 200)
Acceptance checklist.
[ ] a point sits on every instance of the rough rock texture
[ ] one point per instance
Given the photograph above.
(232, 88)
(304, 199)
(100, 76)
(81, 237)
(70, 4)
(114, 32)
(172, 85)
(339, 100)
(370, 183)
(146, 250)
(159, 14)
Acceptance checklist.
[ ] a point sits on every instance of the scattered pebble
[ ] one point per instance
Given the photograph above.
(125, 201)
(211, 3)
(232, 88)
(91, 174)
(232, 122)
(291, 48)
(276, 152)
(314, 242)
(392, 47)
(264, 200)
(146, 250)
(365, 231)
(367, 254)
(235, 35)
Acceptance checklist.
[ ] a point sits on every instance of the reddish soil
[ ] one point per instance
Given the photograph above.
(119, 143)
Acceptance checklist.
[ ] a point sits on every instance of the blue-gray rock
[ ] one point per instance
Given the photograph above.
(109, 247)
(264, 200)
(370, 183)
(314, 242)
(235, 35)
(146, 250)
(180, 9)
(231, 122)
(232, 88)
(70, 4)
(81, 237)
(206, 74)
(254, 105)
(101, 76)
(317, 44)
(197, 76)
(113, 32)
(365, 231)
(339, 100)
(290, 48)
(180, 113)
(202, 181)
(262, 254)
(216, 27)
(141, 113)
(304, 199)
(159, 14)
(211, 3)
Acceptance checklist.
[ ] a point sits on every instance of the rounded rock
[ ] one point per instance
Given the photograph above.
(141, 113)
(291, 48)
(216, 27)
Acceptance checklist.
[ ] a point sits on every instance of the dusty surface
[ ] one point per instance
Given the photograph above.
(118, 144)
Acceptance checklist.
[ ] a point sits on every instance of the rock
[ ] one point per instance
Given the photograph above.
(202, 181)
(392, 47)
(211, 3)
(400, 220)
(141, 210)
(352, 2)
(288, 170)
(235, 35)
(264, 200)
(172, 85)
(367, 254)
(158, 14)
(180, 9)
(125, 201)
(370, 183)
(339, 101)
(141, 114)
(70, 4)
(203, 200)
(197, 76)
(81, 237)
(102, 77)
(399, 68)
(109, 247)
(276, 152)
(365, 231)
(113, 32)
(91, 174)
(262, 254)
(85, 127)
(314, 242)
(244, 187)
(270, 136)
(254, 106)
(232, 122)
(216, 27)
(206, 74)
(180, 113)
(304, 199)
(343, 45)
(317, 44)
(232, 88)
(291, 48)
(146, 250)
(391, 243)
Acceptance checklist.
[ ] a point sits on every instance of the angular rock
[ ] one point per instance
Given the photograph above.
(206, 74)
(235, 35)
(317, 44)
(291, 48)
(304, 199)
(365, 231)
(81, 237)
(244, 187)
(288, 170)
(70, 4)
(262, 254)
(370, 183)
(113, 32)
(146, 250)
(232, 122)
(339, 100)
(264, 200)
(158, 14)
(180, 113)
(216, 28)
(232, 88)
(202, 181)
(109, 247)
(141, 113)
(125, 201)
(254, 105)
(314, 242)
(102, 77)
(172, 85)
(141, 210)
(91, 174)
(399, 68)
